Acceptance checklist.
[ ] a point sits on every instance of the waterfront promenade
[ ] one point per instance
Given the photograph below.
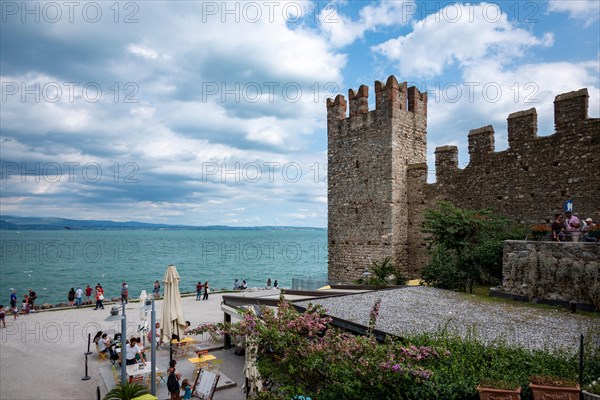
(42, 354)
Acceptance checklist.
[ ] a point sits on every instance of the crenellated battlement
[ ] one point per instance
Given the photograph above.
(390, 98)
(570, 108)
(570, 111)
(359, 101)
(481, 143)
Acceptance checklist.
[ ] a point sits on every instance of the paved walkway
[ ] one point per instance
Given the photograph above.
(42, 354)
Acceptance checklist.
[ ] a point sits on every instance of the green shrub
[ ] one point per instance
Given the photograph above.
(465, 246)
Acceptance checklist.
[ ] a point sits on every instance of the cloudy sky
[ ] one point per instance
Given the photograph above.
(206, 113)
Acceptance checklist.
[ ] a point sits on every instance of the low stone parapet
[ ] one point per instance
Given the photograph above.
(567, 273)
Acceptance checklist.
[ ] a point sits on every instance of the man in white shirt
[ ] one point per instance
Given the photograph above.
(78, 295)
(132, 350)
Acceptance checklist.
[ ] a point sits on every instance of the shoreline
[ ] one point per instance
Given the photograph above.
(37, 308)
(47, 348)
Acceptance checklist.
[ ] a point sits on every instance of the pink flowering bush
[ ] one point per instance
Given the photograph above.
(302, 354)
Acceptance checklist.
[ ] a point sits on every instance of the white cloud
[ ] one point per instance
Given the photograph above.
(586, 10)
(142, 51)
(465, 36)
(343, 31)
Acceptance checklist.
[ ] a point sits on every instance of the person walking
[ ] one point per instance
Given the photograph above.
(99, 298)
(78, 296)
(205, 291)
(198, 291)
(124, 293)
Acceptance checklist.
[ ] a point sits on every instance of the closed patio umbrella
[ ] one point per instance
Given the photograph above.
(172, 320)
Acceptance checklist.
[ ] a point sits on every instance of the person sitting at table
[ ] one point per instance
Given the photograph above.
(105, 345)
(132, 351)
(188, 328)
(141, 346)
(97, 337)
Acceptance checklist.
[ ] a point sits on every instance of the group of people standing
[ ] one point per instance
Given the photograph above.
(570, 228)
(199, 287)
(26, 305)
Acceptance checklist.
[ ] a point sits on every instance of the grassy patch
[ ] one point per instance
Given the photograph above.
(481, 293)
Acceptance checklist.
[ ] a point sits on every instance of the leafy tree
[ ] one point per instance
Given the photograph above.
(465, 245)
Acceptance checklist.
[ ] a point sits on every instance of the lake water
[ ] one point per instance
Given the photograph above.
(51, 262)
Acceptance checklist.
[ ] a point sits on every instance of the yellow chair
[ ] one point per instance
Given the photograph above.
(160, 376)
(215, 365)
(103, 356)
(115, 374)
(180, 349)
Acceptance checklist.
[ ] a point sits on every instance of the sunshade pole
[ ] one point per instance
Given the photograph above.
(153, 350)
(123, 347)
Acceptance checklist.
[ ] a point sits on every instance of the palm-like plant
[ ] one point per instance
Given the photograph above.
(126, 392)
(382, 272)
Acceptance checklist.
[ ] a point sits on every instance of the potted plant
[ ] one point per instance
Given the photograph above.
(553, 387)
(540, 230)
(592, 391)
(594, 231)
(128, 391)
(491, 389)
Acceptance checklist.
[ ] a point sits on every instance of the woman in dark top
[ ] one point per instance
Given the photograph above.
(71, 296)
(558, 229)
(205, 291)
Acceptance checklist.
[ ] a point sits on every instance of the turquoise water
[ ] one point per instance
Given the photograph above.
(51, 262)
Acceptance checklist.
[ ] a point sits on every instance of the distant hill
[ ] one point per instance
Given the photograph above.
(8, 222)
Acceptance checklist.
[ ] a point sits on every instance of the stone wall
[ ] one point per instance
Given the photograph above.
(565, 272)
(377, 174)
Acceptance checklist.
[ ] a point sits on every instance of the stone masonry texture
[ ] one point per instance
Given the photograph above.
(568, 272)
(377, 174)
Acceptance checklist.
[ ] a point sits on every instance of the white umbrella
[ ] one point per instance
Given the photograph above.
(172, 321)
(143, 313)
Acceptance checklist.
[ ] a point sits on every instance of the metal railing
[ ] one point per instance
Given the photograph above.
(309, 283)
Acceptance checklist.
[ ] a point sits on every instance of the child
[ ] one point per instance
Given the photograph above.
(2, 315)
(15, 311)
(185, 386)
(24, 307)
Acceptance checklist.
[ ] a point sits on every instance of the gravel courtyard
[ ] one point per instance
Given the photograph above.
(418, 309)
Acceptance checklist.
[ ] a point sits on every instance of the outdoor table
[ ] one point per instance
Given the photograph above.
(134, 369)
(184, 340)
(202, 360)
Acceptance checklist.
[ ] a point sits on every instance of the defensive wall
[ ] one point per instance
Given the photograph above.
(377, 173)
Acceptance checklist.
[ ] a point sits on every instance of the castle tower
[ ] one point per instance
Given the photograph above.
(368, 157)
